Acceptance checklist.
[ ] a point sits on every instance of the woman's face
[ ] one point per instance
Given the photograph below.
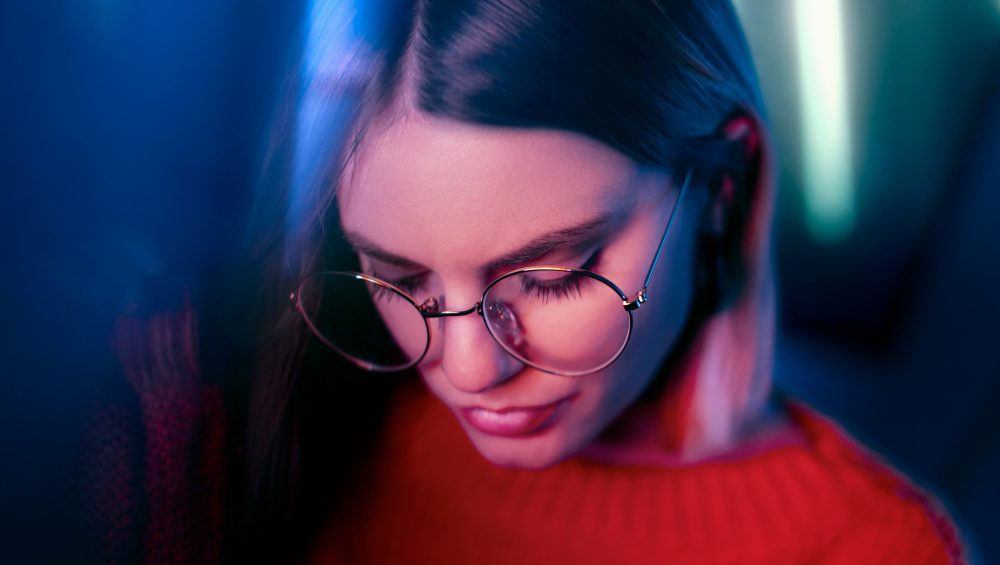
(442, 201)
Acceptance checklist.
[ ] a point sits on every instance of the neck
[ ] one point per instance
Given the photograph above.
(638, 438)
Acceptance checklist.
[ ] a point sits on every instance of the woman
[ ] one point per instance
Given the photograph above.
(560, 214)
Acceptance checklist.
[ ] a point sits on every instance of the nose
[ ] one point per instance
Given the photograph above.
(471, 359)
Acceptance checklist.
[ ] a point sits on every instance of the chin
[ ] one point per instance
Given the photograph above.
(537, 452)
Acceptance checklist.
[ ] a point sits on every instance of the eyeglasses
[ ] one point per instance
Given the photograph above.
(561, 320)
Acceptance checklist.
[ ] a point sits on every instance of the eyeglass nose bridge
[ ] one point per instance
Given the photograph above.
(429, 309)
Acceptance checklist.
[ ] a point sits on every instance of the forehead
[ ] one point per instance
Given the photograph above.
(434, 189)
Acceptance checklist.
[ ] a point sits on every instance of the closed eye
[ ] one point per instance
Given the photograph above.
(409, 284)
(556, 287)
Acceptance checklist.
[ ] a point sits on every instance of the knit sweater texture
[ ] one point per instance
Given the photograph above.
(429, 497)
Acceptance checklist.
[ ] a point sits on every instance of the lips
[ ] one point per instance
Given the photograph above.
(515, 421)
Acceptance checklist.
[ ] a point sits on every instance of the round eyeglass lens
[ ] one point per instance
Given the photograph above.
(558, 320)
(370, 323)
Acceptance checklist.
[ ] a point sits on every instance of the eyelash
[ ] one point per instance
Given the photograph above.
(563, 287)
(543, 290)
(409, 285)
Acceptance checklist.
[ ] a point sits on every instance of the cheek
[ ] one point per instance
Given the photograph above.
(658, 323)
(626, 380)
(656, 328)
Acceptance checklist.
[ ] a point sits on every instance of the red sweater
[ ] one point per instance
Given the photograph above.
(429, 497)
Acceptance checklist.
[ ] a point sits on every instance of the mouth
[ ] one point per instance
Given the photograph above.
(515, 422)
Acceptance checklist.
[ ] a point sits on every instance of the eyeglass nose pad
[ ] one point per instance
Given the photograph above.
(506, 325)
(430, 306)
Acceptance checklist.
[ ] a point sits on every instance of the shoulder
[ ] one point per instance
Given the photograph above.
(884, 517)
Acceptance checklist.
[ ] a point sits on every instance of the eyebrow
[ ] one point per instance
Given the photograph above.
(363, 245)
(580, 235)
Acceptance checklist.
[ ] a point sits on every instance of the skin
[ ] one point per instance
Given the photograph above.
(451, 197)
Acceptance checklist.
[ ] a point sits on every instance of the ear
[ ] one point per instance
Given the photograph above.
(733, 192)
(754, 187)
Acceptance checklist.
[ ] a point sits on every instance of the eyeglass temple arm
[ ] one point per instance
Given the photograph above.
(641, 295)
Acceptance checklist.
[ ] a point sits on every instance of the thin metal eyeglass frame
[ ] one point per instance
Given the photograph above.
(427, 309)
